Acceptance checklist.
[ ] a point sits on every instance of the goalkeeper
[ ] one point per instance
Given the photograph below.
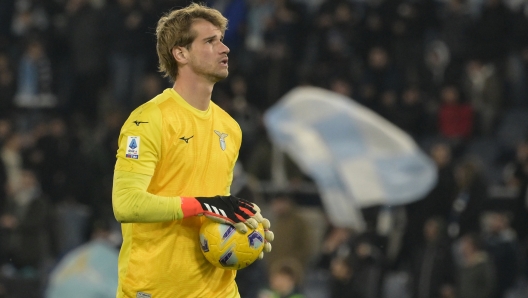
(175, 161)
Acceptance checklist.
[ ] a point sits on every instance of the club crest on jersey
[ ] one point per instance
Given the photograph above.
(222, 137)
(132, 150)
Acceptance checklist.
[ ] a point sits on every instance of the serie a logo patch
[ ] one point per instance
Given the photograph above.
(143, 295)
(132, 150)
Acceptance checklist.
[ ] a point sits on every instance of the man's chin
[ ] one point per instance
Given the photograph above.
(220, 76)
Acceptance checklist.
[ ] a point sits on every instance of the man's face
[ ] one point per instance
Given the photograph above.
(208, 54)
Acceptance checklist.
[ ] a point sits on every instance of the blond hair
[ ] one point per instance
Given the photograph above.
(174, 30)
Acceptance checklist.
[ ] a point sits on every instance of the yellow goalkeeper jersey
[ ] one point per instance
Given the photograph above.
(187, 152)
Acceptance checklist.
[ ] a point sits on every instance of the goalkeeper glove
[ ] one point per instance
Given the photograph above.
(268, 235)
(223, 209)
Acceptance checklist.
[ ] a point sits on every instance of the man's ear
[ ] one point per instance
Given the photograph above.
(180, 54)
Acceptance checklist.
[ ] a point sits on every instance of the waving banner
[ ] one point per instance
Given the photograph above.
(356, 157)
(90, 270)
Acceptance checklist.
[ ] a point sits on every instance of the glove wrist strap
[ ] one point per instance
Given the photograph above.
(190, 206)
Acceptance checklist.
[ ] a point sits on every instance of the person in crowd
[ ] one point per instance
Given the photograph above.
(485, 92)
(500, 241)
(432, 262)
(455, 117)
(437, 203)
(291, 230)
(468, 204)
(285, 280)
(25, 225)
(476, 275)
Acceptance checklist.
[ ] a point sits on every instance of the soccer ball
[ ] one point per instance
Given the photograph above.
(226, 248)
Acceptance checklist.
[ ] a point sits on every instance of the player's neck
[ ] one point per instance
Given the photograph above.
(195, 91)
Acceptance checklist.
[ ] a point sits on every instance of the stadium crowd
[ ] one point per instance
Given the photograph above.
(452, 73)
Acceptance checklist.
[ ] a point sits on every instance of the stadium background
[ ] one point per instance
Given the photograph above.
(452, 73)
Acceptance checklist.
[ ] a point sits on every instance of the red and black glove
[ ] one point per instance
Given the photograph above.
(223, 209)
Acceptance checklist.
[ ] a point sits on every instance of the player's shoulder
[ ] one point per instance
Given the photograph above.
(151, 107)
(146, 115)
(225, 116)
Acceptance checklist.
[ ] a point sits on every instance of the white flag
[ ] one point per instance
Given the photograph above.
(356, 157)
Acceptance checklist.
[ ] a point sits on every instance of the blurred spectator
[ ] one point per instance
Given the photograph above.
(476, 275)
(336, 38)
(343, 86)
(127, 26)
(375, 25)
(25, 225)
(35, 78)
(247, 116)
(388, 106)
(11, 154)
(99, 166)
(272, 65)
(265, 158)
(432, 262)
(407, 29)
(72, 222)
(285, 279)
(53, 158)
(492, 32)
(236, 12)
(335, 244)
(7, 8)
(260, 13)
(455, 117)
(7, 85)
(5, 131)
(483, 87)
(501, 243)
(85, 37)
(292, 233)
(6, 128)
(448, 292)
(517, 72)
(359, 266)
(380, 80)
(436, 204)
(516, 176)
(411, 115)
(470, 197)
(3, 186)
(436, 62)
(367, 266)
(151, 85)
(443, 193)
(344, 280)
(29, 17)
(455, 32)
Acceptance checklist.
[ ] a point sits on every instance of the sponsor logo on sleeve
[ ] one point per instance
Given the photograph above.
(132, 150)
